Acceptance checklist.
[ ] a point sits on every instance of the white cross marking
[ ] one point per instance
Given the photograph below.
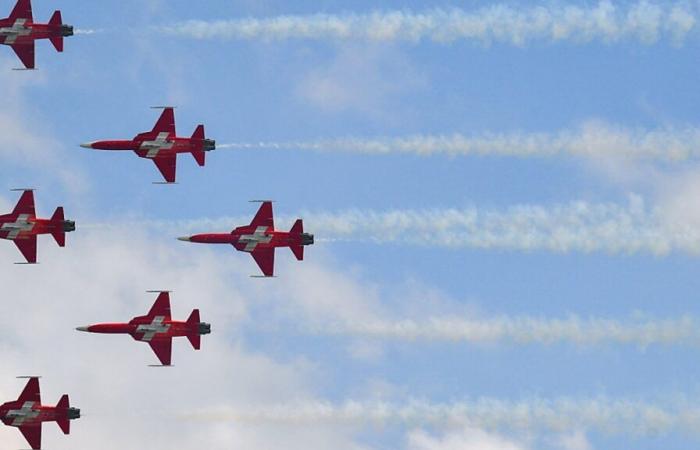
(160, 143)
(155, 327)
(22, 415)
(16, 30)
(15, 228)
(259, 236)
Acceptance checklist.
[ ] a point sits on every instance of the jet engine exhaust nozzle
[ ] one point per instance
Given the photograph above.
(204, 328)
(208, 145)
(66, 30)
(307, 238)
(73, 413)
(68, 225)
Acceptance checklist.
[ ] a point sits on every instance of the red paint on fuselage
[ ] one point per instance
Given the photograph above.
(175, 329)
(40, 226)
(179, 145)
(36, 31)
(44, 414)
(277, 238)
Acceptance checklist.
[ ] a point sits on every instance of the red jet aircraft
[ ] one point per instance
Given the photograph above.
(22, 226)
(260, 239)
(19, 31)
(27, 413)
(161, 145)
(157, 328)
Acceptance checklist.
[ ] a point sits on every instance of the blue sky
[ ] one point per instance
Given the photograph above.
(272, 345)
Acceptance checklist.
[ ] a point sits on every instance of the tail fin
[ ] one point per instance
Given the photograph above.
(296, 247)
(193, 325)
(57, 227)
(198, 137)
(63, 421)
(56, 20)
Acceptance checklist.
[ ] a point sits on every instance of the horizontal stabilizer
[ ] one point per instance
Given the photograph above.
(298, 251)
(193, 327)
(56, 18)
(297, 228)
(57, 21)
(57, 42)
(58, 232)
(63, 421)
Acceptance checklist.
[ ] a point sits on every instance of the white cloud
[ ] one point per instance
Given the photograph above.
(574, 441)
(24, 141)
(645, 22)
(359, 79)
(466, 439)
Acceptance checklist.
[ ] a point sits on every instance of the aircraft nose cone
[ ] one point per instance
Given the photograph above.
(82, 329)
(86, 145)
(184, 238)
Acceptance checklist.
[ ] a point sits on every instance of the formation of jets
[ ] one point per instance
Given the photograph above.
(161, 145)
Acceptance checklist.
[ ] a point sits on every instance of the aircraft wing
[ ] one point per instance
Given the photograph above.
(25, 205)
(167, 165)
(31, 392)
(32, 433)
(22, 10)
(163, 349)
(161, 307)
(27, 245)
(166, 122)
(265, 257)
(263, 218)
(25, 52)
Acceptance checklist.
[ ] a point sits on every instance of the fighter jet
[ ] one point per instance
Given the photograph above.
(22, 226)
(19, 32)
(260, 239)
(27, 413)
(161, 145)
(157, 328)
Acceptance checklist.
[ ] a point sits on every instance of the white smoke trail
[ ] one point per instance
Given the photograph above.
(578, 226)
(593, 139)
(625, 417)
(521, 330)
(86, 31)
(643, 21)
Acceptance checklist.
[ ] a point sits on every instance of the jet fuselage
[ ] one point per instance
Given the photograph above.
(248, 238)
(18, 227)
(148, 331)
(150, 148)
(22, 31)
(18, 414)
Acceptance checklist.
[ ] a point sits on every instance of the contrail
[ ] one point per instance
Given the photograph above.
(561, 228)
(520, 330)
(593, 139)
(620, 417)
(646, 22)
(577, 226)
